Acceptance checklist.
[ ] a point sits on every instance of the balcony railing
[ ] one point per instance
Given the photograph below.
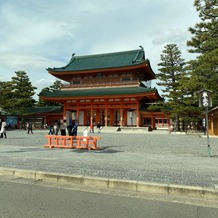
(102, 84)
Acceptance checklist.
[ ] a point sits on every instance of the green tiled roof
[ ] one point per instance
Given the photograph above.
(99, 92)
(45, 109)
(103, 61)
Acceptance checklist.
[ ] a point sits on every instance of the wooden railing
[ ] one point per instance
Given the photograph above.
(102, 84)
(73, 142)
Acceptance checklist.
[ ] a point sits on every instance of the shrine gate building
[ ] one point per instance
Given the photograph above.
(113, 89)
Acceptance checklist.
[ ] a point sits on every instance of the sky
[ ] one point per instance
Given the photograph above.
(39, 34)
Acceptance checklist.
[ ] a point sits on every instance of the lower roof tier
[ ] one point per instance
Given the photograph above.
(135, 91)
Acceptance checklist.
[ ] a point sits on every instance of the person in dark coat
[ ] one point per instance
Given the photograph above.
(74, 130)
(29, 128)
(99, 127)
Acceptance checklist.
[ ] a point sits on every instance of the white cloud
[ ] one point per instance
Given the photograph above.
(170, 36)
(44, 33)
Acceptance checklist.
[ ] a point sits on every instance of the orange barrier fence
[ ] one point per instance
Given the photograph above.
(72, 142)
(88, 142)
(55, 141)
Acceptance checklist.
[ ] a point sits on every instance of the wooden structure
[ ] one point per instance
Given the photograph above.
(43, 116)
(213, 121)
(73, 142)
(108, 88)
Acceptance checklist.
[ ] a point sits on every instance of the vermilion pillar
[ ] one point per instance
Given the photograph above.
(91, 114)
(106, 113)
(137, 112)
(121, 113)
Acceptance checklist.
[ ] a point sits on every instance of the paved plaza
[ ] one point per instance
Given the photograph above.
(155, 156)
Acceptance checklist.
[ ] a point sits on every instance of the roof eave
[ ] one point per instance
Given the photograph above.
(145, 65)
(61, 70)
(151, 93)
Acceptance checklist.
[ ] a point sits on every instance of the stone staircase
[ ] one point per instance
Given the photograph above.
(111, 129)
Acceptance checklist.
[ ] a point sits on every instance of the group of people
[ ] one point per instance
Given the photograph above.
(71, 129)
(63, 127)
(3, 129)
(92, 127)
(54, 128)
(4, 126)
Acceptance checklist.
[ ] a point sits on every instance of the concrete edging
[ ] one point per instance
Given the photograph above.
(124, 185)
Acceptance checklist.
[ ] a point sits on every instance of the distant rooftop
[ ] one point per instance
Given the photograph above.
(45, 109)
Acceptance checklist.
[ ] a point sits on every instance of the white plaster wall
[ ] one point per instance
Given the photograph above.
(81, 118)
(133, 115)
(68, 116)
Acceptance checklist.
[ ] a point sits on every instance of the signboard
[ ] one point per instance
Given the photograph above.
(205, 99)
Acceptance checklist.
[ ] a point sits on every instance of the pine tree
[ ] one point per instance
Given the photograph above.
(1, 97)
(174, 78)
(205, 43)
(171, 71)
(17, 94)
(56, 86)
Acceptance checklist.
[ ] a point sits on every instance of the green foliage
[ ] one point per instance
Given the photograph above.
(1, 89)
(171, 71)
(205, 43)
(182, 81)
(56, 86)
(17, 94)
(179, 91)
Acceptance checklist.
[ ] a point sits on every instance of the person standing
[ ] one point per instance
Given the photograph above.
(70, 127)
(75, 129)
(99, 127)
(3, 129)
(0, 128)
(92, 127)
(29, 128)
(51, 129)
(63, 127)
(56, 127)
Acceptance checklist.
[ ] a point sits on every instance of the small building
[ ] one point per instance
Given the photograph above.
(213, 121)
(108, 88)
(41, 117)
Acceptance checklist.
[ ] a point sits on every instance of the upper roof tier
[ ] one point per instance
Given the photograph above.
(105, 62)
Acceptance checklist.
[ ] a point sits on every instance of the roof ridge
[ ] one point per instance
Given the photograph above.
(108, 54)
(74, 57)
(104, 60)
(137, 55)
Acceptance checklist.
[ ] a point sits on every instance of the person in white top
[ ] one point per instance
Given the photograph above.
(3, 129)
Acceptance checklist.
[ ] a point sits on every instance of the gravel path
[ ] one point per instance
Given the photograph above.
(147, 156)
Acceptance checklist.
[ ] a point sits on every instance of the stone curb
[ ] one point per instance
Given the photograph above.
(124, 185)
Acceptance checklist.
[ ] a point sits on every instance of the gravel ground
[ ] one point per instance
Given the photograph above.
(144, 156)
